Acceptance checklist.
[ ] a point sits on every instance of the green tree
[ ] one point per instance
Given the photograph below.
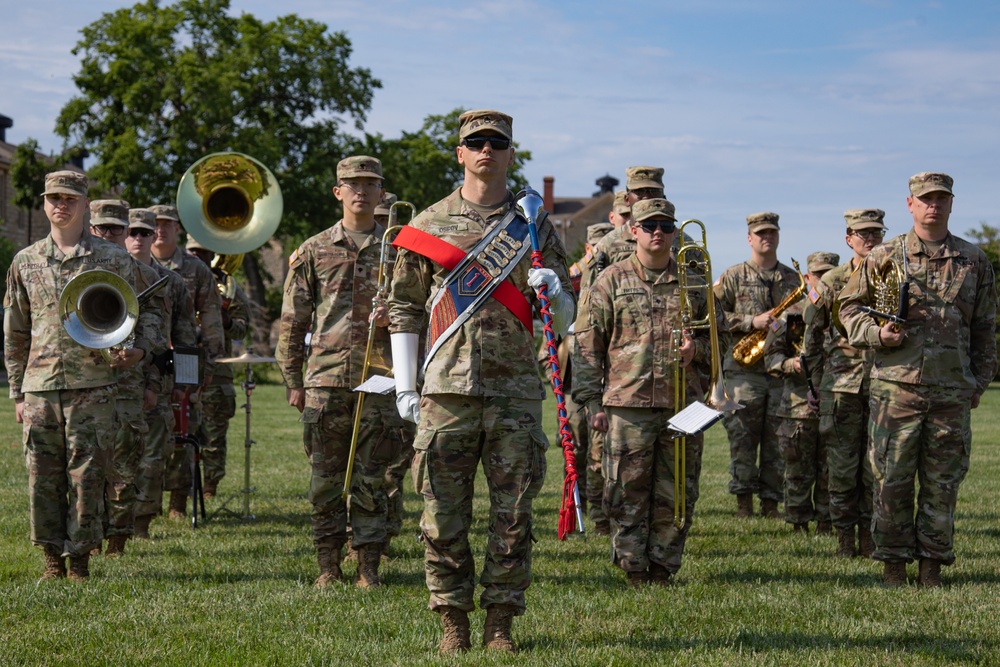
(987, 237)
(27, 174)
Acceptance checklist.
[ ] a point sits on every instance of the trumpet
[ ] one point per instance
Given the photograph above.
(381, 291)
(750, 349)
(694, 273)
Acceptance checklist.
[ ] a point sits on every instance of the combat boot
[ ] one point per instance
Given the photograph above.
(385, 548)
(116, 546)
(660, 575)
(866, 545)
(496, 630)
(845, 542)
(55, 564)
(637, 579)
(352, 553)
(211, 487)
(142, 527)
(894, 575)
(456, 630)
(96, 551)
(930, 573)
(369, 558)
(79, 569)
(824, 528)
(744, 505)
(769, 508)
(178, 504)
(328, 555)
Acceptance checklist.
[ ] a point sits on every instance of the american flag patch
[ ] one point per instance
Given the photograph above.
(294, 256)
(775, 326)
(814, 295)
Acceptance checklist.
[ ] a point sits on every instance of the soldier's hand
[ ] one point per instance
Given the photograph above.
(889, 337)
(686, 350)
(812, 400)
(296, 397)
(599, 422)
(797, 364)
(127, 358)
(763, 321)
(547, 277)
(380, 316)
(19, 410)
(408, 406)
(974, 404)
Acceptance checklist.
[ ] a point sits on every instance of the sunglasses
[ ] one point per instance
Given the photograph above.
(665, 226)
(144, 233)
(109, 230)
(477, 143)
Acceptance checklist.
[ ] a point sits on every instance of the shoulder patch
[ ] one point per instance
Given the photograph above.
(294, 257)
(814, 296)
(776, 326)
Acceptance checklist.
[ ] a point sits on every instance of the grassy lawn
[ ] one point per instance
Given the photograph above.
(240, 593)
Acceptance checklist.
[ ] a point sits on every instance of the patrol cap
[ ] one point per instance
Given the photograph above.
(864, 218)
(109, 212)
(192, 244)
(652, 208)
(388, 199)
(929, 181)
(764, 220)
(598, 231)
(66, 182)
(359, 166)
(165, 211)
(822, 261)
(479, 120)
(141, 218)
(643, 177)
(621, 206)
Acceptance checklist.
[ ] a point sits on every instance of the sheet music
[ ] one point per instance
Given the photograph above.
(694, 419)
(185, 368)
(377, 384)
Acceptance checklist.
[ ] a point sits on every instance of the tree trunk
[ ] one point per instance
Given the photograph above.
(257, 294)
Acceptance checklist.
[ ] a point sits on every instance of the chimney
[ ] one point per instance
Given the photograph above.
(5, 123)
(547, 198)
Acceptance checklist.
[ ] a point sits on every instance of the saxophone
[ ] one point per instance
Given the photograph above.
(750, 349)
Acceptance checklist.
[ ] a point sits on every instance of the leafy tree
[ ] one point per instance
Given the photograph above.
(988, 238)
(27, 174)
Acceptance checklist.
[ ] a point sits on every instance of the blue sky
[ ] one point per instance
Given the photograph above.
(803, 108)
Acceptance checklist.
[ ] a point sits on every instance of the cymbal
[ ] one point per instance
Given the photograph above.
(247, 358)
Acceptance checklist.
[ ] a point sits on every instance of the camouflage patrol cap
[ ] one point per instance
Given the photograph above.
(643, 177)
(141, 218)
(822, 261)
(109, 212)
(66, 182)
(598, 231)
(165, 211)
(929, 181)
(359, 166)
(192, 244)
(765, 220)
(388, 199)
(479, 120)
(621, 206)
(652, 208)
(864, 218)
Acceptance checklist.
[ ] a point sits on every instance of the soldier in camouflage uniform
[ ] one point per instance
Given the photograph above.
(179, 327)
(206, 304)
(331, 281)
(137, 389)
(807, 495)
(925, 379)
(384, 207)
(218, 399)
(625, 376)
(840, 373)
(64, 393)
(482, 396)
(748, 292)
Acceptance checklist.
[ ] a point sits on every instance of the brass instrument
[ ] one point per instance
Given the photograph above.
(750, 349)
(890, 292)
(694, 261)
(381, 291)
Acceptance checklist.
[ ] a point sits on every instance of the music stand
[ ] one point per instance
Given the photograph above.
(248, 386)
(187, 370)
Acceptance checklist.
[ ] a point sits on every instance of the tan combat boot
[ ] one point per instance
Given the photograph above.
(496, 630)
(660, 575)
(369, 558)
(866, 545)
(744, 505)
(456, 630)
(637, 579)
(328, 555)
(55, 564)
(385, 548)
(769, 508)
(210, 489)
(116, 546)
(930, 573)
(178, 504)
(845, 542)
(142, 527)
(894, 575)
(79, 569)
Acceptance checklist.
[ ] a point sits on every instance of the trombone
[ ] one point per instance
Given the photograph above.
(694, 273)
(381, 290)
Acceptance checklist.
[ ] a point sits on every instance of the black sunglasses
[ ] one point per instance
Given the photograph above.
(665, 226)
(138, 231)
(477, 143)
(109, 230)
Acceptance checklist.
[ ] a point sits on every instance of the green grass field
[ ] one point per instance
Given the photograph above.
(240, 593)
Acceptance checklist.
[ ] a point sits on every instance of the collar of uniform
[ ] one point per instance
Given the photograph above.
(458, 206)
(338, 234)
(669, 274)
(83, 247)
(914, 246)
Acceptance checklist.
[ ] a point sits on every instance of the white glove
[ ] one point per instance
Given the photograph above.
(408, 405)
(563, 313)
(547, 276)
(404, 370)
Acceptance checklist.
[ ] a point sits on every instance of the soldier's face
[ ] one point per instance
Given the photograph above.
(861, 241)
(65, 210)
(137, 243)
(618, 219)
(167, 231)
(359, 195)
(632, 196)
(764, 241)
(931, 209)
(487, 161)
(652, 237)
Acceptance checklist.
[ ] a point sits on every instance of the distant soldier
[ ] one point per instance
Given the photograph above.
(384, 208)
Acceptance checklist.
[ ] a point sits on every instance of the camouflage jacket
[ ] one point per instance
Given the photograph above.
(834, 363)
(329, 291)
(950, 328)
(39, 354)
(783, 346)
(205, 302)
(745, 291)
(239, 323)
(178, 320)
(492, 354)
(624, 352)
(132, 382)
(616, 245)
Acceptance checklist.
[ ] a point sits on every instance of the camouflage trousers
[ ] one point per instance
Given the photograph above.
(394, 474)
(639, 488)
(595, 477)
(177, 476)
(120, 491)
(753, 430)
(328, 420)
(921, 434)
(843, 427)
(158, 446)
(218, 403)
(807, 493)
(68, 439)
(456, 434)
